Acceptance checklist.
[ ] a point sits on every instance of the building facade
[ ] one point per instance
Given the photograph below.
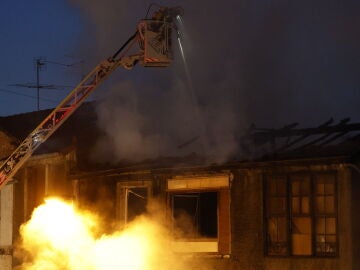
(297, 214)
(274, 213)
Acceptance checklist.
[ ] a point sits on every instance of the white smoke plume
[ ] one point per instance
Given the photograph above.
(268, 63)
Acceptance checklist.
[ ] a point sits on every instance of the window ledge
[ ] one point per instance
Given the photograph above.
(194, 246)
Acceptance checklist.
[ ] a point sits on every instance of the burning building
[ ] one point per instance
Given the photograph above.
(292, 205)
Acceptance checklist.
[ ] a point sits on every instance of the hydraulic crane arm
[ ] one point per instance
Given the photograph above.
(154, 39)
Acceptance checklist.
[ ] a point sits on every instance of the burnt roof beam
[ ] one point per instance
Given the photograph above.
(263, 137)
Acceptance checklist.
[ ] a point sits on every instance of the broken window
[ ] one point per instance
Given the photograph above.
(200, 210)
(195, 214)
(301, 215)
(137, 198)
(132, 199)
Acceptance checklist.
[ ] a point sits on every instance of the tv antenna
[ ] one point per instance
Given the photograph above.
(40, 63)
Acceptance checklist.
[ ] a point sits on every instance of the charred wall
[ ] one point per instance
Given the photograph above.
(248, 226)
(42, 176)
(246, 204)
(355, 214)
(246, 216)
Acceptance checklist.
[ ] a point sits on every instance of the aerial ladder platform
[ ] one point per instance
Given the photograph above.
(152, 40)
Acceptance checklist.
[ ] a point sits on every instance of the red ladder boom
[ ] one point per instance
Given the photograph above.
(149, 32)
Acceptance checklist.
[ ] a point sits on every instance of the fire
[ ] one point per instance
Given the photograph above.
(61, 237)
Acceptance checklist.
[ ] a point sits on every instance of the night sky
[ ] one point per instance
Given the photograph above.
(29, 30)
(265, 62)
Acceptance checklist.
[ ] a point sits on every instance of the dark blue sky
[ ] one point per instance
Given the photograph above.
(268, 61)
(32, 29)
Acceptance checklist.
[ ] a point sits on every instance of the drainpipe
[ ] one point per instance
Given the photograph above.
(353, 166)
(356, 168)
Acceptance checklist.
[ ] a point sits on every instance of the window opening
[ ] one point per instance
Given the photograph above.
(195, 214)
(136, 201)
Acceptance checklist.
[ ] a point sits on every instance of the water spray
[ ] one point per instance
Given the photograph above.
(179, 20)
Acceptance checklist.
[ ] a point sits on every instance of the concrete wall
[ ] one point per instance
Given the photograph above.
(7, 145)
(6, 226)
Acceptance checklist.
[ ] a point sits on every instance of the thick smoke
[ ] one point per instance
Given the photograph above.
(265, 62)
(134, 129)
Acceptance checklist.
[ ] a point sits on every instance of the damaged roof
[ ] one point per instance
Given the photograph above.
(328, 139)
(79, 129)
(291, 142)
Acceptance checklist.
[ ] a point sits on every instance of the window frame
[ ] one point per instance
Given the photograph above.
(197, 194)
(219, 184)
(284, 215)
(122, 197)
(335, 215)
(314, 178)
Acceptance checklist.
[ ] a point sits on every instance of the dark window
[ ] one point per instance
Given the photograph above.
(300, 213)
(195, 214)
(136, 202)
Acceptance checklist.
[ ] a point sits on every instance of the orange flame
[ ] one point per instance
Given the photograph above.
(60, 237)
